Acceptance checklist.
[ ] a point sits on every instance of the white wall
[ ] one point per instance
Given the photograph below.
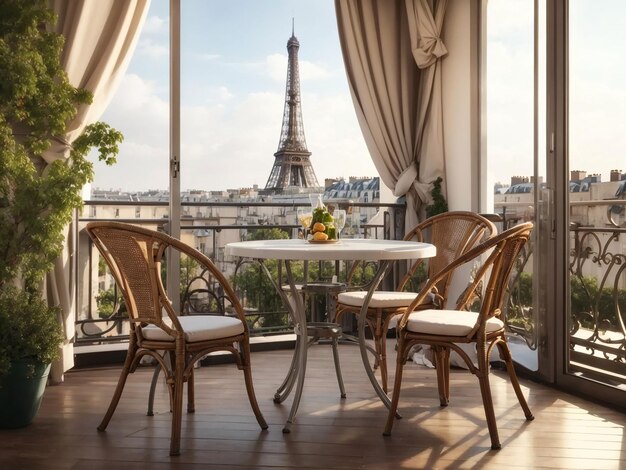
(460, 109)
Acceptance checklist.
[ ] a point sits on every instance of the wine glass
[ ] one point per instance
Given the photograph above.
(339, 216)
(304, 219)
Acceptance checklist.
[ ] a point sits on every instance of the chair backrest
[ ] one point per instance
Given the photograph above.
(502, 252)
(453, 233)
(507, 247)
(134, 256)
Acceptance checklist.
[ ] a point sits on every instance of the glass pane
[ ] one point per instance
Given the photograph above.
(513, 163)
(597, 144)
(140, 110)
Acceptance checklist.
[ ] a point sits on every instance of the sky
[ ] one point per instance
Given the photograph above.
(597, 95)
(233, 72)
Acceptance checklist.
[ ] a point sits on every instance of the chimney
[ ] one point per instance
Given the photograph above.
(519, 180)
(578, 175)
(329, 182)
(616, 175)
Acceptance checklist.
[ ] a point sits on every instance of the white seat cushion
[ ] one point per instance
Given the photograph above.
(380, 299)
(448, 322)
(198, 328)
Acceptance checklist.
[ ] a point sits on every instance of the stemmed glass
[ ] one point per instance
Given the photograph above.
(339, 216)
(304, 218)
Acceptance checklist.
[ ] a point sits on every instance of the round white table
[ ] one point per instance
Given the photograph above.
(384, 251)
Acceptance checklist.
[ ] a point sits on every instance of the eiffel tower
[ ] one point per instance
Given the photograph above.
(292, 166)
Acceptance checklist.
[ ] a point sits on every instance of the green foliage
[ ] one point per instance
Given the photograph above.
(189, 268)
(257, 289)
(37, 195)
(418, 279)
(105, 301)
(521, 300)
(523, 289)
(439, 205)
(37, 101)
(28, 328)
(108, 301)
(584, 292)
(267, 234)
(102, 266)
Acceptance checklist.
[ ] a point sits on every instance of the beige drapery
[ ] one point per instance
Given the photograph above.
(392, 51)
(100, 37)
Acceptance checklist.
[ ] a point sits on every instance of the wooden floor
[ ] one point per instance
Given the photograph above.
(330, 433)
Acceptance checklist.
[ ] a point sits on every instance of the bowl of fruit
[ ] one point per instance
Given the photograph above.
(322, 229)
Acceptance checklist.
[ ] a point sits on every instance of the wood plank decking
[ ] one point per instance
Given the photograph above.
(330, 433)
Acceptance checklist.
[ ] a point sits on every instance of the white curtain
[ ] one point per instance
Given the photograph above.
(392, 51)
(100, 37)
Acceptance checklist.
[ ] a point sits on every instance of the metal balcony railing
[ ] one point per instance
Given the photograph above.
(101, 316)
(597, 289)
(597, 279)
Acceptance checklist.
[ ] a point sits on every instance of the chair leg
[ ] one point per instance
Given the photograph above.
(442, 365)
(244, 348)
(153, 384)
(383, 348)
(397, 384)
(382, 364)
(384, 374)
(338, 316)
(130, 356)
(485, 389)
(381, 356)
(171, 380)
(505, 355)
(342, 389)
(191, 394)
(177, 411)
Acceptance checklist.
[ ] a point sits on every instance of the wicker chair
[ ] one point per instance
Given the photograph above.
(134, 256)
(444, 330)
(453, 233)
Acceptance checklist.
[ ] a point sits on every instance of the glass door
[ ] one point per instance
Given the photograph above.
(515, 102)
(594, 353)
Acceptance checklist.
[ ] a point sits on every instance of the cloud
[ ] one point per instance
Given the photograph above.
(334, 137)
(597, 113)
(206, 57)
(151, 49)
(276, 69)
(226, 146)
(597, 100)
(219, 94)
(510, 18)
(142, 116)
(311, 71)
(155, 24)
(276, 66)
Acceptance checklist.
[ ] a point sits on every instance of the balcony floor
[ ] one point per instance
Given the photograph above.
(330, 433)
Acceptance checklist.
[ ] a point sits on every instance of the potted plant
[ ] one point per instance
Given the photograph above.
(29, 341)
(37, 198)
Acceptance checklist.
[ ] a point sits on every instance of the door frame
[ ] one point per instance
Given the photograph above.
(558, 125)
